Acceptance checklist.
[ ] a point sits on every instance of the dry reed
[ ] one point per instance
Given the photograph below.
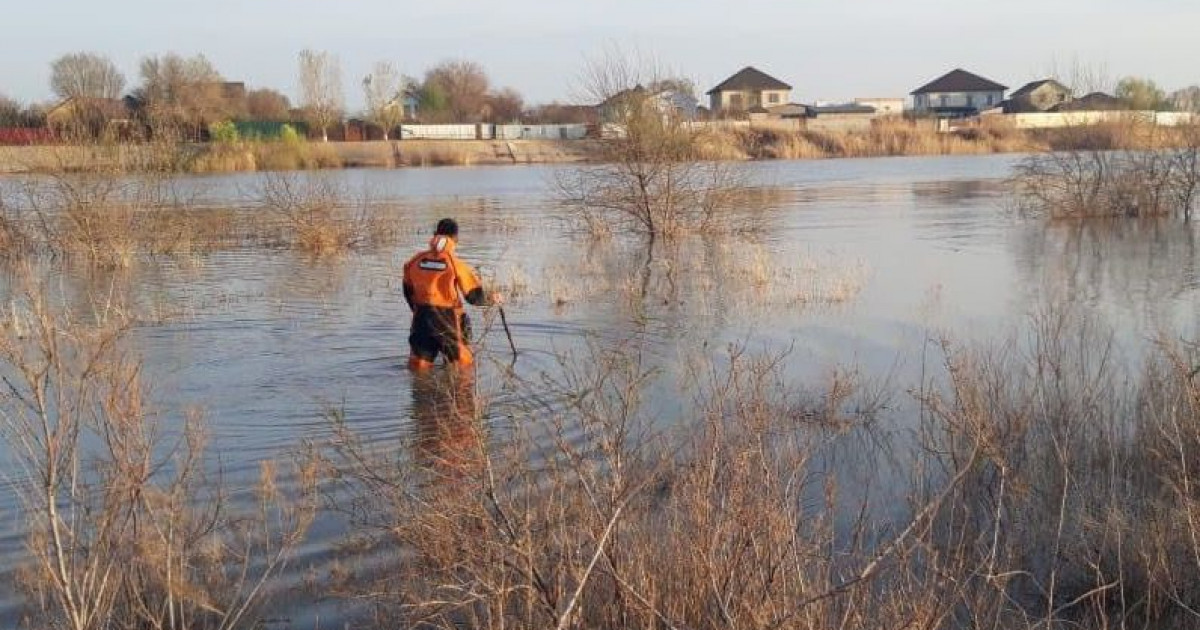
(126, 530)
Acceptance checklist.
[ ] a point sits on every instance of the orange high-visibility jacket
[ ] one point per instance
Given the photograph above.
(436, 277)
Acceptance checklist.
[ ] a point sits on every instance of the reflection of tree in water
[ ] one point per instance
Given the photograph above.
(1122, 264)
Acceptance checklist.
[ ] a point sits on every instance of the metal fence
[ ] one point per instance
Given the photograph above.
(493, 132)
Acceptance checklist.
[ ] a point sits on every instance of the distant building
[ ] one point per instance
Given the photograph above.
(1038, 96)
(670, 103)
(956, 94)
(90, 116)
(1094, 102)
(790, 111)
(841, 117)
(887, 106)
(749, 88)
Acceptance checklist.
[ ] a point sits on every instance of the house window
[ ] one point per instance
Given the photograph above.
(943, 100)
(990, 97)
(773, 98)
(735, 102)
(970, 100)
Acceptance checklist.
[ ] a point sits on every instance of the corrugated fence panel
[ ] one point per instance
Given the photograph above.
(441, 132)
(490, 132)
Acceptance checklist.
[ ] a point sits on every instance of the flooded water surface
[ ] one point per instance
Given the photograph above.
(858, 264)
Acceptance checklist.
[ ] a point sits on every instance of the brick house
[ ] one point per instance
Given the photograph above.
(748, 89)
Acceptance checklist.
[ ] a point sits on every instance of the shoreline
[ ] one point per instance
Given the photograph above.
(212, 158)
(753, 144)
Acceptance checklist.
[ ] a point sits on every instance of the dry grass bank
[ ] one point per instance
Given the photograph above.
(884, 139)
(282, 156)
(905, 138)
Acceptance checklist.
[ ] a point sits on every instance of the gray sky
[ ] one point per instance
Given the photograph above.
(827, 49)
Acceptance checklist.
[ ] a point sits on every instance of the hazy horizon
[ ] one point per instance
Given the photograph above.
(826, 50)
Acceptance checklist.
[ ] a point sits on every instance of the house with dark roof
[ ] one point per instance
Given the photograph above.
(956, 94)
(1094, 102)
(1037, 96)
(747, 89)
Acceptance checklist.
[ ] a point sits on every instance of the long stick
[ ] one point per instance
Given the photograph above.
(507, 332)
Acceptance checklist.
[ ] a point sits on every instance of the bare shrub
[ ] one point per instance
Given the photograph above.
(586, 515)
(651, 181)
(125, 529)
(1101, 176)
(315, 214)
(107, 204)
(1083, 510)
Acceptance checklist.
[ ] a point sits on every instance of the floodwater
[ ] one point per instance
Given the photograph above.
(861, 264)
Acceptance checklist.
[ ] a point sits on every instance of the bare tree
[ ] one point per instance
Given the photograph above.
(13, 114)
(85, 75)
(179, 90)
(1186, 99)
(267, 104)
(384, 89)
(321, 89)
(651, 180)
(505, 105)
(464, 87)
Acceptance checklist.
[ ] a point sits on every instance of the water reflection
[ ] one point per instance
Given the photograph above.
(446, 421)
(1144, 271)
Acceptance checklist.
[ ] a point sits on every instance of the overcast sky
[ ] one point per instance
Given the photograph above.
(827, 49)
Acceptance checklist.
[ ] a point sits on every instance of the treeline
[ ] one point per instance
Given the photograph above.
(190, 95)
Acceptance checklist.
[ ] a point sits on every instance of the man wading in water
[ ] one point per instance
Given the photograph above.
(433, 281)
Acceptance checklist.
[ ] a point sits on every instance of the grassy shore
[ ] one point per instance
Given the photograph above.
(274, 156)
(884, 139)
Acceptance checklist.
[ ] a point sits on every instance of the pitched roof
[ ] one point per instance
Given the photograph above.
(750, 78)
(959, 80)
(1028, 88)
(1094, 102)
(623, 96)
(843, 108)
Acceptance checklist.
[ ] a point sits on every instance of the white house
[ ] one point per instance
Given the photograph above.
(958, 93)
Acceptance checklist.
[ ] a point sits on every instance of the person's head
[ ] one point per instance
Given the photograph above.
(447, 227)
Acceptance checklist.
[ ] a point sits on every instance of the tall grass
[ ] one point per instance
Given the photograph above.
(884, 138)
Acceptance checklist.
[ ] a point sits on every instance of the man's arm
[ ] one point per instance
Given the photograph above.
(408, 288)
(469, 284)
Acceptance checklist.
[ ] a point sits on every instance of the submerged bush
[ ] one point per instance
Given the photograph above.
(1099, 182)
